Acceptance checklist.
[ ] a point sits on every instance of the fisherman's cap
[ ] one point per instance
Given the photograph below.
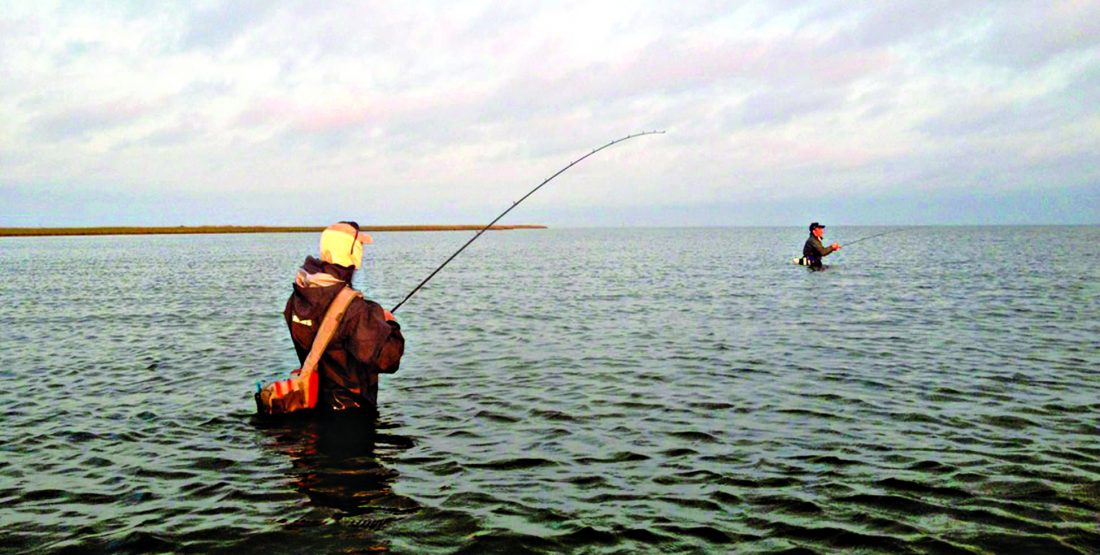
(816, 225)
(342, 244)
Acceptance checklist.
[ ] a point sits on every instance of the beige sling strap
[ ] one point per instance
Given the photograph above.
(328, 328)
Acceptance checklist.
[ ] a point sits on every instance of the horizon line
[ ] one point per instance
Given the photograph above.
(226, 229)
(237, 229)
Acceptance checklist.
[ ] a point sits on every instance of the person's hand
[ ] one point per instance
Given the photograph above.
(836, 246)
(388, 315)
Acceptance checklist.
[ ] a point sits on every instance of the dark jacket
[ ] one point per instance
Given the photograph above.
(813, 251)
(364, 345)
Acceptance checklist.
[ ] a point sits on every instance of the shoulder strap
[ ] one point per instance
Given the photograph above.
(328, 328)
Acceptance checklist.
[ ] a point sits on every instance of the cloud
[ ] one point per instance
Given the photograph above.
(783, 105)
(889, 24)
(452, 107)
(218, 24)
(83, 120)
(1026, 34)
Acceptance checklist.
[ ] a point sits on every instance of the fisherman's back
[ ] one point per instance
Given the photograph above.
(365, 344)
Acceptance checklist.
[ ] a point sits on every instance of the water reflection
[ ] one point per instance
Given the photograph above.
(337, 462)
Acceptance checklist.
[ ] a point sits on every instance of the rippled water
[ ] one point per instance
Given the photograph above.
(594, 391)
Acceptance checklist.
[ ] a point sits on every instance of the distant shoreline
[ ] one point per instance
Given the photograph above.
(207, 229)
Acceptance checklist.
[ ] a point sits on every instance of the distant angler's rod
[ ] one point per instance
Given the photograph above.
(875, 235)
(515, 204)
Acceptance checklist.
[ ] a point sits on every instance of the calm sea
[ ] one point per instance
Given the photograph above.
(936, 390)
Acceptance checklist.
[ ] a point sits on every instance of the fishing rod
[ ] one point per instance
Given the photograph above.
(515, 204)
(875, 235)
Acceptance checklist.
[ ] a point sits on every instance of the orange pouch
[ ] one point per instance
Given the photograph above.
(290, 395)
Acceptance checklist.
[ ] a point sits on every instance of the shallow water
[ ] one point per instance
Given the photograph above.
(595, 391)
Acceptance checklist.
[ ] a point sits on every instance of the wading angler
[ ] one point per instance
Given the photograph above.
(343, 341)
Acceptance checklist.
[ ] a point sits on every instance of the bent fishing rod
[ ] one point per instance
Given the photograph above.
(515, 204)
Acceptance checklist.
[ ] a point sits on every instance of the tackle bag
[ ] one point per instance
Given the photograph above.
(299, 392)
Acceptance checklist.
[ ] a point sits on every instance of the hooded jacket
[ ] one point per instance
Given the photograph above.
(364, 345)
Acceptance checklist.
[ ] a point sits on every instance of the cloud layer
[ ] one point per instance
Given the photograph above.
(269, 113)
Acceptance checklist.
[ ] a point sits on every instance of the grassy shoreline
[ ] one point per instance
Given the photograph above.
(203, 229)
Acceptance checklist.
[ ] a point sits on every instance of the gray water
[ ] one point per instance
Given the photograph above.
(591, 391)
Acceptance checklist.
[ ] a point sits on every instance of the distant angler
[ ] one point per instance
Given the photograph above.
(813, 250)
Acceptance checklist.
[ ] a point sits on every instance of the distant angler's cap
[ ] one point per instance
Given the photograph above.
(342, 244)
(816, 225)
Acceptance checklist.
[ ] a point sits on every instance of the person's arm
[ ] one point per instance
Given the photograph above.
(375, 339)
(823, 250)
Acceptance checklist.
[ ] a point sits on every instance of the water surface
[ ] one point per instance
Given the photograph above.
(586, 390)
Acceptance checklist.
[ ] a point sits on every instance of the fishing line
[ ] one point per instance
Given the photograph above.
(515, 204)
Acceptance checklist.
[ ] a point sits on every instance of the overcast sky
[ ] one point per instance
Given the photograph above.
(777, 113)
